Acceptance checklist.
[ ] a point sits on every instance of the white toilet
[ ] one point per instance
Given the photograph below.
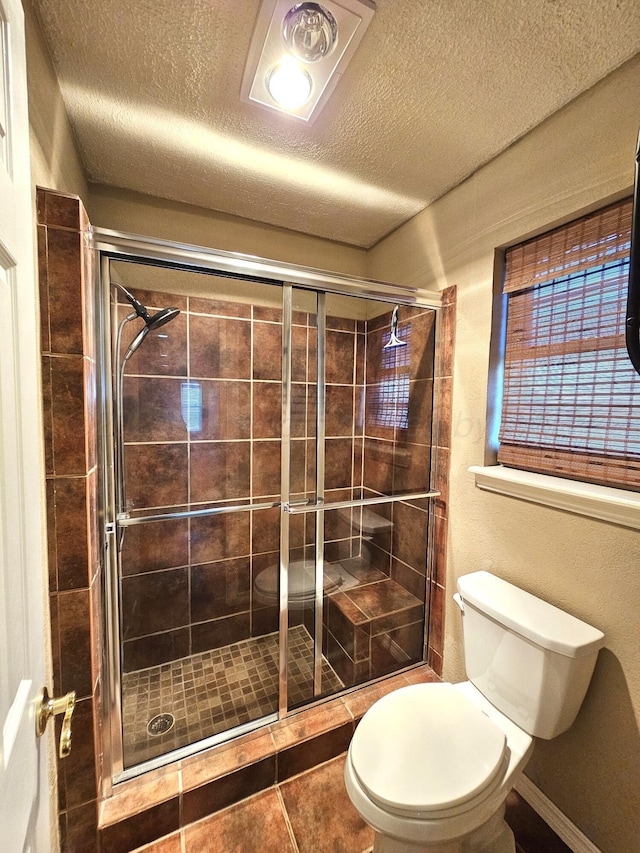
(302, 584)
(430, 765)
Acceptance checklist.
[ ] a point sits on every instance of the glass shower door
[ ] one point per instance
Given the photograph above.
(197, 445)
(355, 516)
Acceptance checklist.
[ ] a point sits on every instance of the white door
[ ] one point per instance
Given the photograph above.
(24, 797)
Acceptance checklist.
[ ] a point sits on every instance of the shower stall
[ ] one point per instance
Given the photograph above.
(266, 490)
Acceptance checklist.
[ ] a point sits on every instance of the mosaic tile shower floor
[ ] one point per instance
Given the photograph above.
(211, 692)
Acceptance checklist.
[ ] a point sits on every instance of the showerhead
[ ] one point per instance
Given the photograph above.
(394, 340)
(151, 321)
(162, 317)
(135, 343)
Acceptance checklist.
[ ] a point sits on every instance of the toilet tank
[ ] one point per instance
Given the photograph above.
(531, 660)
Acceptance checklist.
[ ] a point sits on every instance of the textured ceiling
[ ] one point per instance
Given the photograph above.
(436, 89)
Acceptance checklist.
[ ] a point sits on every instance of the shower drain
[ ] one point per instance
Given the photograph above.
(160, 724)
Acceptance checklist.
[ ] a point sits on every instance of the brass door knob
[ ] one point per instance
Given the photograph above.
(48, 707)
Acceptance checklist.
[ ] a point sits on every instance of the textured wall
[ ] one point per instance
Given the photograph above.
(122, 210)
(55, 162)
(580, 158)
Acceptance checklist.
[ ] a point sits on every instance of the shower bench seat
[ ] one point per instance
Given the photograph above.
(372, 628)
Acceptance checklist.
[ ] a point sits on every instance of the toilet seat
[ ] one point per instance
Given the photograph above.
(301, 582)
(417, 775)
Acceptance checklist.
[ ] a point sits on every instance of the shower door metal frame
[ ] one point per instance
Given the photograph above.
(321, 411)
(285, 491)
(115, 245)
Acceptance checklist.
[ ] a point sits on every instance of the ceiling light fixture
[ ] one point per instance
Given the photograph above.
(299, 52)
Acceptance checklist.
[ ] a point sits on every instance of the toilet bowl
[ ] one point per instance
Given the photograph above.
(302, 584)
(430, 765)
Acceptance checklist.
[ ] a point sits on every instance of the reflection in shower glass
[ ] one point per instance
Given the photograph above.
(374, 558)
(191, 404)
(390, 396)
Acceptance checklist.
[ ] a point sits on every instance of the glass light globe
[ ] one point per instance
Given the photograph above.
(289, 84)
(309, 31)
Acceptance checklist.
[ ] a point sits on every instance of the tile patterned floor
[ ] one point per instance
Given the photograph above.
(214, 691)
(311, 813)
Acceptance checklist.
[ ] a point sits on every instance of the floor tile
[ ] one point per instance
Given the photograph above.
(256, 825)
(320, 812)
(170, 844)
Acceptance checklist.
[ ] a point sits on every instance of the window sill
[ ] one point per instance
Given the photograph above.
(616, 506)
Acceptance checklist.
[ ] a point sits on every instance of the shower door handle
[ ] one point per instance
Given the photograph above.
(48, 707)
(305, 506)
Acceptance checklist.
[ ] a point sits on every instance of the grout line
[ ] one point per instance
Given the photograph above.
(287, 821)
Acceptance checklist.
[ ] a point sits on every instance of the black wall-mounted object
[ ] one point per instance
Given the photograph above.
(633, 298)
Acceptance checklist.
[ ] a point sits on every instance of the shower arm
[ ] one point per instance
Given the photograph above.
(137, 306)
(120, 365)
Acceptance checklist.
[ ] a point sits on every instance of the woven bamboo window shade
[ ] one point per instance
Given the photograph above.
(571, 399)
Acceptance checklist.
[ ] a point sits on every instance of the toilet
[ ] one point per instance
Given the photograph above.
(430, 765)
(302, 584)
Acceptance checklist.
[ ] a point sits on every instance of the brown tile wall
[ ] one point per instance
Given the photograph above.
(196, 593)
(68, 380)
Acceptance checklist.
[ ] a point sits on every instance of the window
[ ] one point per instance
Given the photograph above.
(571, 398)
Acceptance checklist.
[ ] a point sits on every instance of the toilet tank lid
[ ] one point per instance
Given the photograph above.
(531, 617)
